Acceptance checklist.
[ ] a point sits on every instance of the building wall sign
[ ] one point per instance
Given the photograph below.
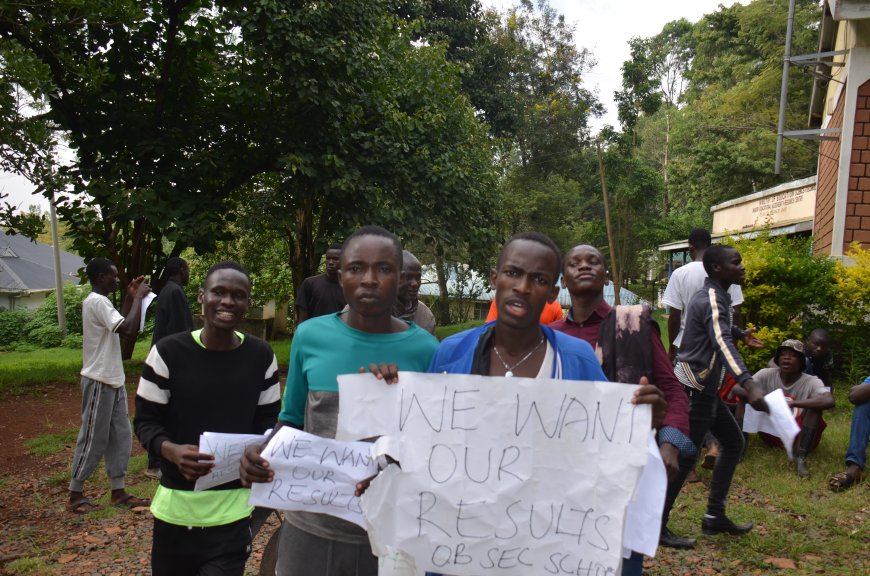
(780, 206)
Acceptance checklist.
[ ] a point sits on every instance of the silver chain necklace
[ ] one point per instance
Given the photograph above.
(509, 370)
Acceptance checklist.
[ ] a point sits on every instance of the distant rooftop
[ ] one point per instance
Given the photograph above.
(27, 266)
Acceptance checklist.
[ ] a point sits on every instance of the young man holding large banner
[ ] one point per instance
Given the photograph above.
(210, 380)
(367, 335)
(516, 344)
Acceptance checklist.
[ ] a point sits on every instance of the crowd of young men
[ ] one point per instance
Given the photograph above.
(220, 380)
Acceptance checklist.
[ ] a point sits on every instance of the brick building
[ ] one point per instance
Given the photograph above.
(840, 106)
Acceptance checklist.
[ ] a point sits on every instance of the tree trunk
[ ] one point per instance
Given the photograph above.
(442, 305)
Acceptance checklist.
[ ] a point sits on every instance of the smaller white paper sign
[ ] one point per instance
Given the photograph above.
(779, 421)
(146, 301)
(227, 449)
(314, 474)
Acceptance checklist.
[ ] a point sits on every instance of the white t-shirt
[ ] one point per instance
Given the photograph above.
(805, 387)
(684, 282)
(101, 348)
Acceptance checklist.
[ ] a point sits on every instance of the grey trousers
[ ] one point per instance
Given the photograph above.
(304, 554)
(105, 432)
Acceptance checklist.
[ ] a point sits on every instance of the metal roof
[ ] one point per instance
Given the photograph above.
(476, 288)
(27, 266)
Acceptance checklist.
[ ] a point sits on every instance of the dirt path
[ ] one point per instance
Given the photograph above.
(33, 489)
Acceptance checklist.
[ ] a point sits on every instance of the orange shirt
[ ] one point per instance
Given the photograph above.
(550, 313)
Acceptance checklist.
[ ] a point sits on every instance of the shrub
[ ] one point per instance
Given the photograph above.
(43, 322)
(786, 286)
(45, 336)
(12, 323)
(853, 313)
(772, 337)
(72, 341)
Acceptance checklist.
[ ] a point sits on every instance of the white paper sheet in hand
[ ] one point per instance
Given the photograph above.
(146, 301)
(779, 421)
(644, 516)
(227, 449)
(314, 474)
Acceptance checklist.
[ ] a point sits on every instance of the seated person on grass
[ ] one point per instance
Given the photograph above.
(856, 456)
(806, 395)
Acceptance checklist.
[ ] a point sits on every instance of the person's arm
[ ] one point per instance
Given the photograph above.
(673, 330)
(823, 401)
(269, 403)
(132, 308)
(152, 416)
(253, 467)
(677, 415)
(860, 394)
(303, 301)
(177, 313)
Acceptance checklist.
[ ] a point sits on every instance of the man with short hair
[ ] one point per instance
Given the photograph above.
(173, 313)
(172, 316)
(105, 429)
(627, 350)
(408, 306)
(707, 352)
(366, 335)
(517, 344)
(807, 395)
(211, 380)
(320, 295)
(684, 283)
(819, 360)
(859, 436)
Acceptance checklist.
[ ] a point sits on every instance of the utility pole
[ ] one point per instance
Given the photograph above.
(58, 281)
(614, 265)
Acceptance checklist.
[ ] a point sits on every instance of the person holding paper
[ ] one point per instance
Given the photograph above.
(516, 344)
(859, 436)
(172, 316)
(105, 430)
(367, 335)
(807, 396)
(211, 380)
(629, 345)
(707, 352)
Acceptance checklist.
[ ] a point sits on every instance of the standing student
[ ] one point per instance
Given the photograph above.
(682, 285)
(173, 316)
(367, 335)
(320, 295)
(708, 350)
(105, 429)
(516, 344)
(211, 380)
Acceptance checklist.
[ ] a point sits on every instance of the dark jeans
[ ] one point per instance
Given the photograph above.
(709, 414)
(214, 551)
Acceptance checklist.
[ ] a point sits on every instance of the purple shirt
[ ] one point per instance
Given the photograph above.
(677, 414)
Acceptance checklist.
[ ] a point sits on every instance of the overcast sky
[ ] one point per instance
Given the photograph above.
(602, 26)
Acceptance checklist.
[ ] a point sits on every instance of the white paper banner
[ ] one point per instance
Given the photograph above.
(314, 474)
(146, 301)
(227, 449)
(779, 421)
(500, 475)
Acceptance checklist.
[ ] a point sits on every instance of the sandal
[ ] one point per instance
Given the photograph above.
(82, 506)
(130, 501)
(843, 481)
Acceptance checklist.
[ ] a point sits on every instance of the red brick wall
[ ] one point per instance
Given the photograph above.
(858, 201)
(826, 188)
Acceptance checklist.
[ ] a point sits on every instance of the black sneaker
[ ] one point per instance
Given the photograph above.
(671, 540)
(712, 525)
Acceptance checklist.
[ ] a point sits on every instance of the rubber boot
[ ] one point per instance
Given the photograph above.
(807, 437)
